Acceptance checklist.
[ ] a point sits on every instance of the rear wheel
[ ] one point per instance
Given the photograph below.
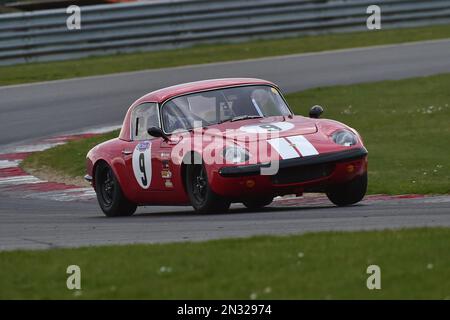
(254, 204)
(202, 198)
(109, 194)
(348, 193)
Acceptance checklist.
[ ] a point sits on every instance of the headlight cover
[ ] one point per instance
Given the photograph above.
(235, 154)
(344, 138)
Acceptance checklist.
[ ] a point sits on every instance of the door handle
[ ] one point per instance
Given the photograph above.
(126, 152)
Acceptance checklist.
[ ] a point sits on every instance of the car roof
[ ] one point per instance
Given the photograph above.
(162, 95)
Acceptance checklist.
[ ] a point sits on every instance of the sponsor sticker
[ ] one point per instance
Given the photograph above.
(142, 146)
(165, 155)
(168, 184)
(166, 174)
(165, 164)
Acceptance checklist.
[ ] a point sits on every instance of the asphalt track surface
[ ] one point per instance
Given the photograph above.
(38, 110)
(55, 225)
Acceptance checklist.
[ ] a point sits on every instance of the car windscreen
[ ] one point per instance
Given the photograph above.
(215, 106)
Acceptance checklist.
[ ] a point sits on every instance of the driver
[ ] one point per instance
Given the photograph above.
(263, 102)
(172, 117)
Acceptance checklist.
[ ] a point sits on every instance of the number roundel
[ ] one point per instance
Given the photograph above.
(267, 127)
(142, 164)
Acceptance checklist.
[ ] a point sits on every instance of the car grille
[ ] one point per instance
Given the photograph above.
(303, 173)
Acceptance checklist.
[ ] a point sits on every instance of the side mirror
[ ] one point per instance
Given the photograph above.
(315, 112)
(157, 132)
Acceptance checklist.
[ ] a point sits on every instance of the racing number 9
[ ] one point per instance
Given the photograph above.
(142, 168)
(142, 164)
(270, 127)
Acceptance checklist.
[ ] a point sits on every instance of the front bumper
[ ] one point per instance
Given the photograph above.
(255, 169)
(294, 176)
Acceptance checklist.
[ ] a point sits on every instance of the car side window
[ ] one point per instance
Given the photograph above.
(144, 116)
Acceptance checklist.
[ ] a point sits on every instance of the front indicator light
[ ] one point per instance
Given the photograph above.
(250, 183)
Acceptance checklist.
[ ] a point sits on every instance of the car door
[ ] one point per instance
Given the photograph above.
(142, 153)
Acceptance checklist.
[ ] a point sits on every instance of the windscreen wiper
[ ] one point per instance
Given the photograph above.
(244, 117)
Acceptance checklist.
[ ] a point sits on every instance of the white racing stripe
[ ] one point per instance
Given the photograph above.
(289, 148)
(284, 148)
(303, 145)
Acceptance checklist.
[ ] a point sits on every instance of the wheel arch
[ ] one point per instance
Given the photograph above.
(100, 161)
(191, 157)
(94, 170)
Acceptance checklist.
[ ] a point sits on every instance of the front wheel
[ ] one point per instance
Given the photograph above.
(109, 194)
(202, 198)
(348, 193)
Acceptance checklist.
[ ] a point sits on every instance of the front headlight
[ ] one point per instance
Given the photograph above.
(344, 138)
(235, 154)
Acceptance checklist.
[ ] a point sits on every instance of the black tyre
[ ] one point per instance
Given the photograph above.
(109, 194)
(254, 204)
(202, 198)
(348, 193)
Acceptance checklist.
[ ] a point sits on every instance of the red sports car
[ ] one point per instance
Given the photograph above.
(214, 142)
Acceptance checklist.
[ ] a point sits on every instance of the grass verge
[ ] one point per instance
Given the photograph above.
(67, 160)
(212, 53)
(414, 265)
(404, 125)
